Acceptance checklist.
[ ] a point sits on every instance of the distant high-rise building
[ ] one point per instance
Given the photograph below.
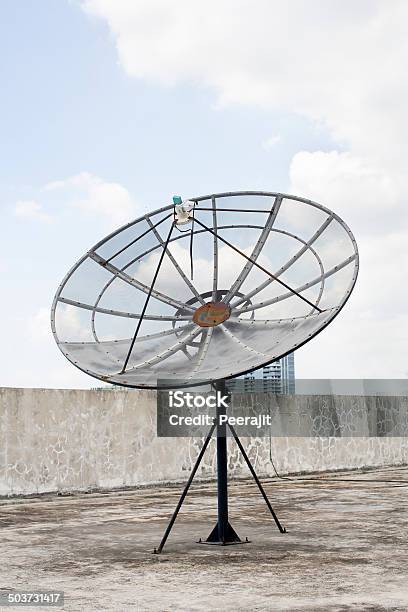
(277, 377)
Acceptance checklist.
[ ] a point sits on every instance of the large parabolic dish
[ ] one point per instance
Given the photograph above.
(249, 277)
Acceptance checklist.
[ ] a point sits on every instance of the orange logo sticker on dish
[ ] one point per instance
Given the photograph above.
(212, 314)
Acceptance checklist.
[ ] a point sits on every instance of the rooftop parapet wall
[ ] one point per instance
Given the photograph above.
(66, 440)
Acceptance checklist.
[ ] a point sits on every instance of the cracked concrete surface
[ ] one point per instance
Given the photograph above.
(346, 547)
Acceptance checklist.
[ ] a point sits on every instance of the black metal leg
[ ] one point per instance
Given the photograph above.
(222, 533)
(249, 464)
(186, 488)
(222, 478)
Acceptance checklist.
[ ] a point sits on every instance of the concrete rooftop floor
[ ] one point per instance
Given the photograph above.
(346, 547)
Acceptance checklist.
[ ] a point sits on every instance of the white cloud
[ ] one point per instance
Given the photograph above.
(30, 209)
(68, 322)
(371, 335)
(94, 196)
(342, 63)
(70, 325)
(370, 198)
(107, 203)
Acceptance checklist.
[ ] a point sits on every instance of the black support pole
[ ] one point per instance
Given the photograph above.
(222, 533)
(222, 477)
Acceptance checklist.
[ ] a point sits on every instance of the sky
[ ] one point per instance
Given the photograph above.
(109, 107)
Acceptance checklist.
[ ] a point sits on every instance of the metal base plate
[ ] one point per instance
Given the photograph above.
(231, 537)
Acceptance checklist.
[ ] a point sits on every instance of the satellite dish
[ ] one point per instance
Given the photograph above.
(205, 289)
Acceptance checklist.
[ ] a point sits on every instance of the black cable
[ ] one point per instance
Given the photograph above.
(191, 243)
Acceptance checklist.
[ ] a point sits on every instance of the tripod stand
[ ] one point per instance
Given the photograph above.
(222, 534)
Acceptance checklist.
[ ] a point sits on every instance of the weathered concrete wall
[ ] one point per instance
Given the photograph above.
(61, 440)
